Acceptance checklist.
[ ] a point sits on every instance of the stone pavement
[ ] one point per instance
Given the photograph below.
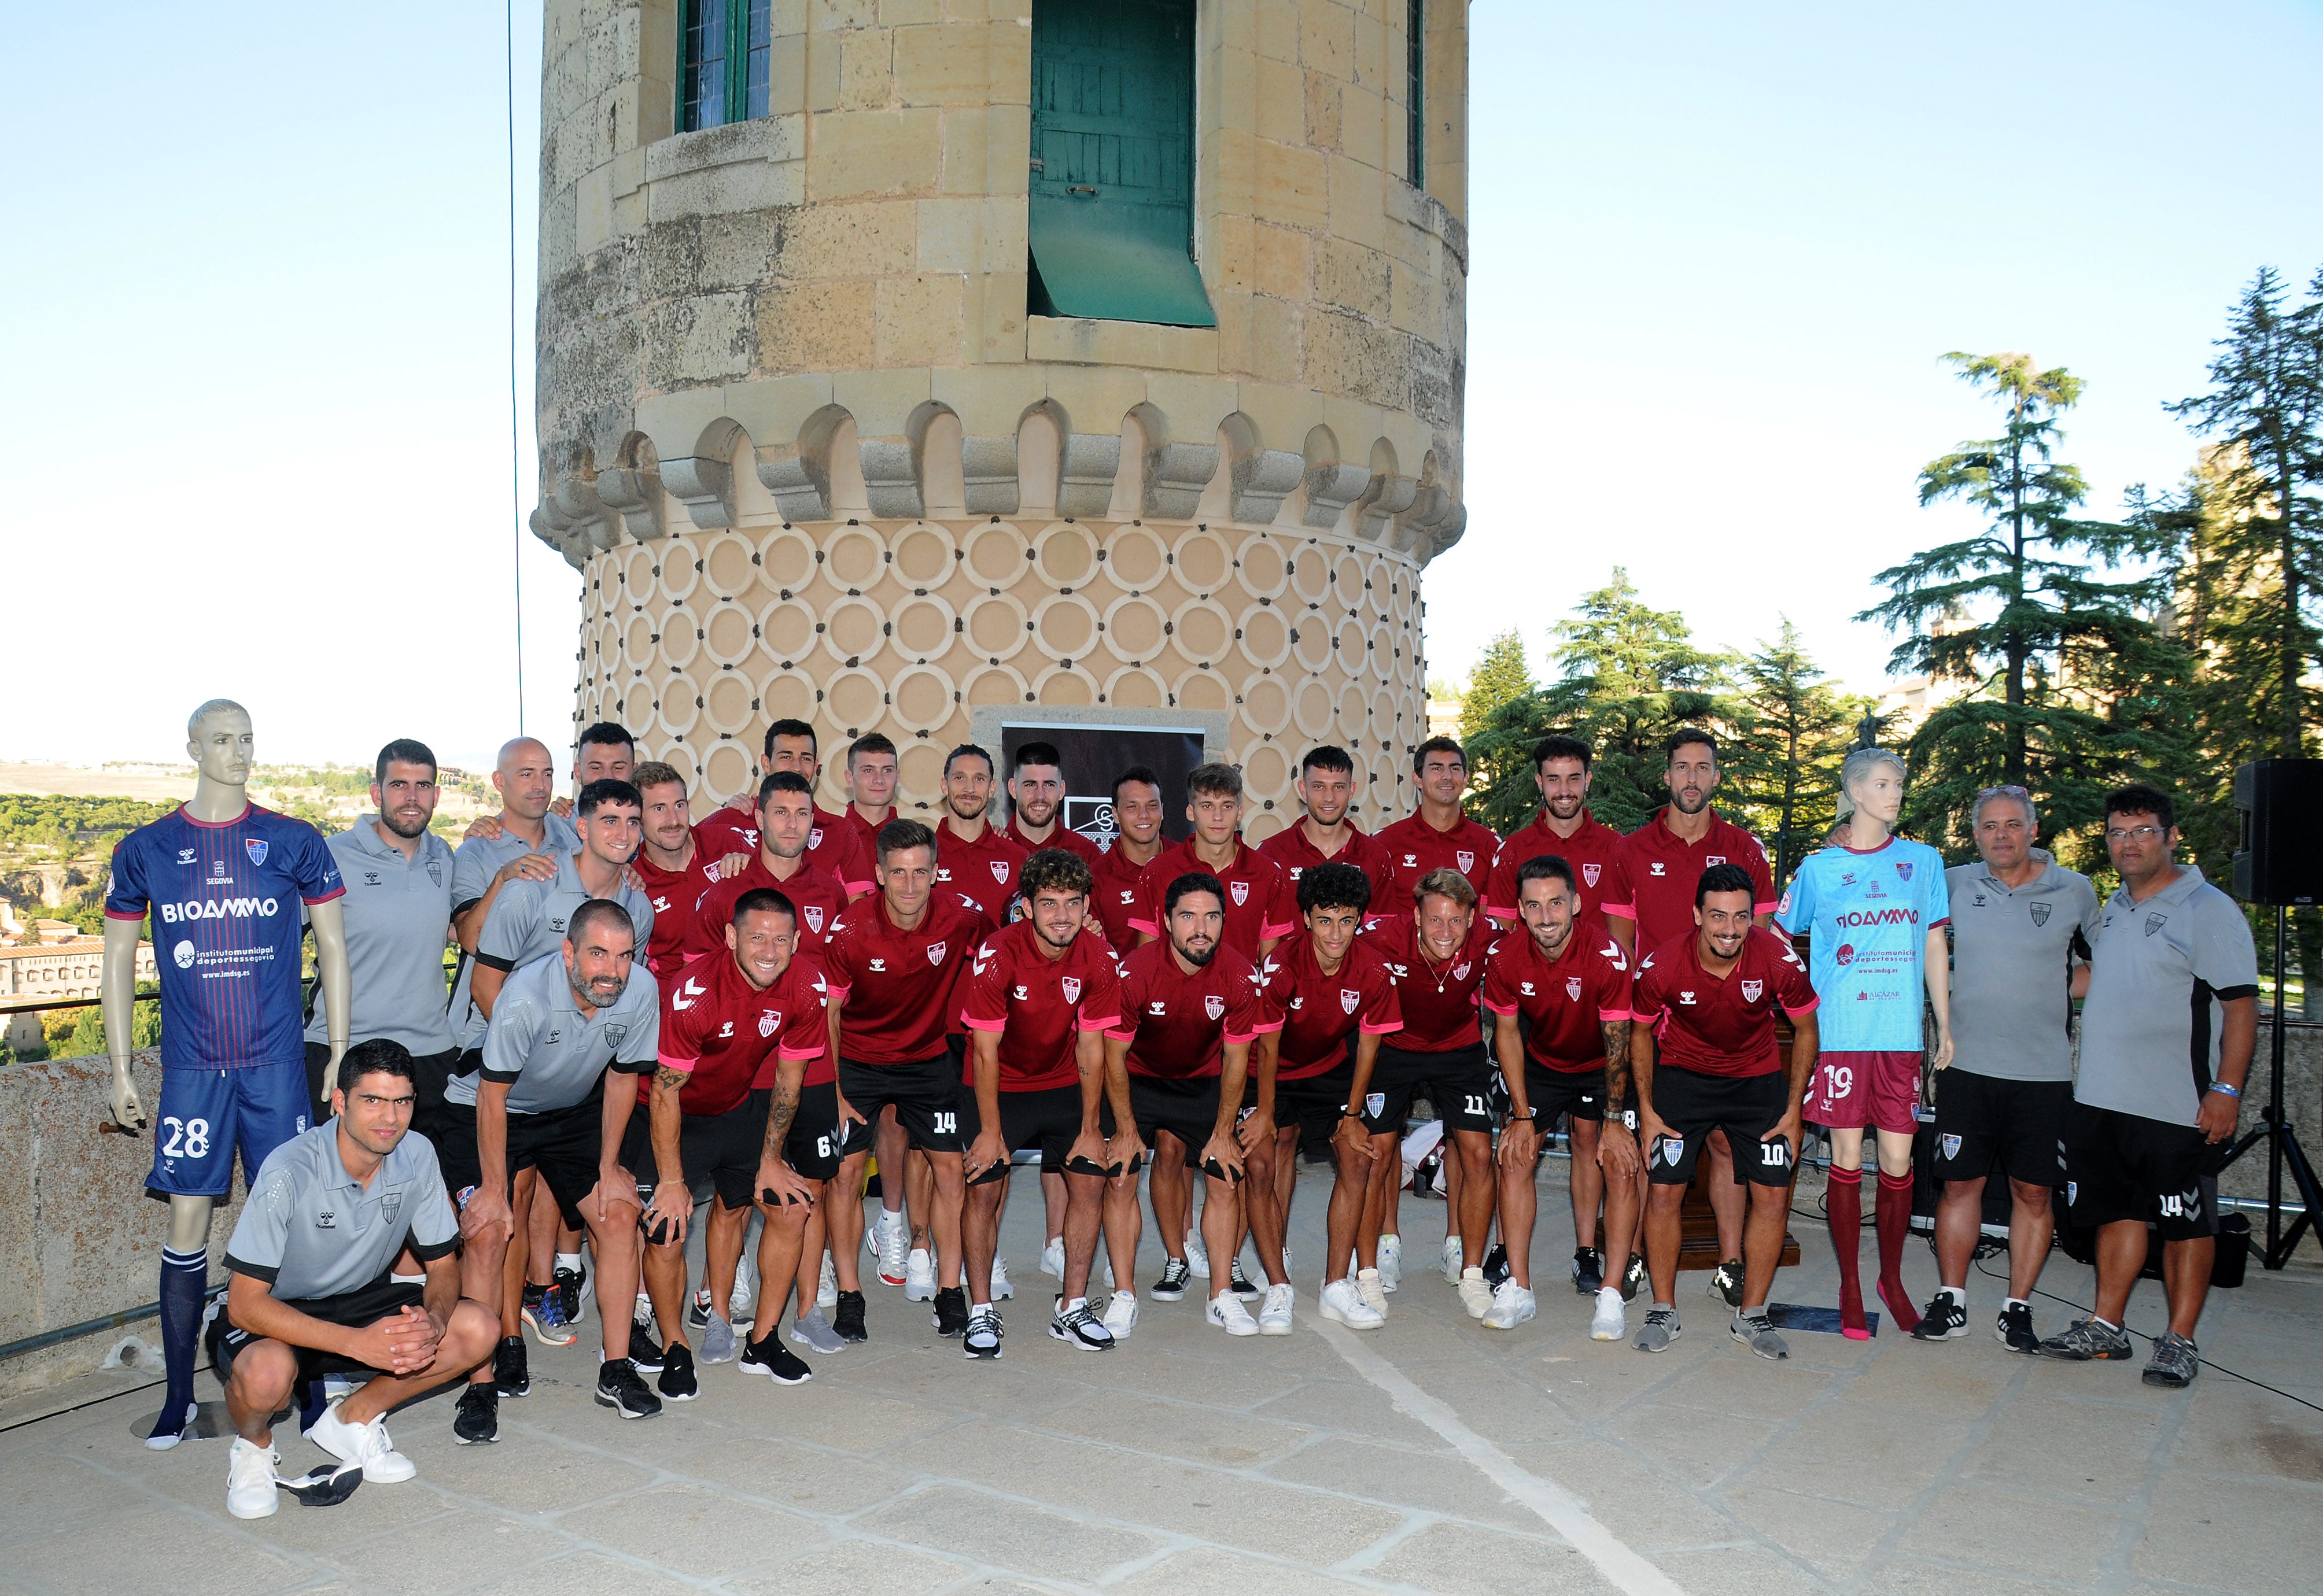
(1432, 1456)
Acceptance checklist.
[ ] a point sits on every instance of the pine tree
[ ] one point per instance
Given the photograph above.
(1790, 730)
(1500, 675)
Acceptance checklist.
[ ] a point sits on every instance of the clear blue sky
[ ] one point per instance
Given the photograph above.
(256, 345)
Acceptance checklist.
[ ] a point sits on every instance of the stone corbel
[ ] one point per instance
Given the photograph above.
(987, 470)
(704, 486)
(1387, 497)
(1446, 533)
(1085, 474)
(798, 481)
(1330, 489)
(635, 493)
(1175, 476)
(1431, 506)
(1262, 479)
(890, 478)
(543, 522)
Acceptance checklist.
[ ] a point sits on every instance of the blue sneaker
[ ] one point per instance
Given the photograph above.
(544, 1310)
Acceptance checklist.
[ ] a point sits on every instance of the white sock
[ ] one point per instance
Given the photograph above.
(1959, 1294)
(1612, 1291)
(2015, 1302)
(571, 1261)
(888, 1216)
(1077, 1304)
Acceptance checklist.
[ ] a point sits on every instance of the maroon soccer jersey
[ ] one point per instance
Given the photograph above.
(833, 845)
(895, 988)
(1720, 1024)
(1595, 852)
(817, 898)
(1664, 871)
(1060, 836)
(1039, 1005)
(1260, 905)
(726, 1036)
(1120, 887)
(983, 870)
(1178, 1026)
(1566, 1003)
(1293, 852)
(1413, 847)
(1438, 1000)
(1316, 1013)
(674, 895)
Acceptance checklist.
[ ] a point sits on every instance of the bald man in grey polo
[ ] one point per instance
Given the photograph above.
(527, 922)
(311, 1230)
(552, 1048)
(399, 919)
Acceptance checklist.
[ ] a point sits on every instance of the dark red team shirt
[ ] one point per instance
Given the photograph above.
(1413, 847)
(1259, 904)
(1060, 836)
(1178, 1026)
(832, 846)
(1292, 853)
(1038, 1005)
(867, 832)
(1119, 888)
(818, 897)
(1318, 1013)
(895, 988)
(727, 1037)
(1720, 1026)
(1594, 852)
(674, 895)
(983, 870)
(1664, 872)
(1438, 1001)
(1566, 1003)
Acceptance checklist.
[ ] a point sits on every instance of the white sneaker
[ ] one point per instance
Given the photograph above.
(1053, 1258)
(1369, 1287)
(1197, 1257)
(364, 1443)
(1121, 1314)
(919, 1276)
(1512, 1305)
(1474, 1295)
(1001, 1289)
(1452, 1260)
(741, 1299)
(1228, 1315)
(1606, 1324)
(893, 1241)
(1274, 1316)
(249, 1479)
(1287, 1271)
(1342, 1304)
(1391, 1261)
(826, 1289)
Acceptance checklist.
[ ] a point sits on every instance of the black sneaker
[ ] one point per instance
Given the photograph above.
(1946, 1319)
(846, 1317)
(697, 1313)
(511, 1374)
(1080, 1329)
(621, 1388)
(1496, 1266)
(777, 1362)
(2014, 1328)
(567, 1286)
(1726, 1283)
(1172, 1286)
(1239, 1284)
(1588, 1272)
(677, 1383)
(2085, 1341)
(981, 1338)
(478, 1417)
(645, 1350)
(950, 1316)
(1633, 1278)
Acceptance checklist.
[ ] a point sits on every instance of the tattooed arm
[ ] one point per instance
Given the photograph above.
(673, 1198)
(1617, 1145)
(777, 1181)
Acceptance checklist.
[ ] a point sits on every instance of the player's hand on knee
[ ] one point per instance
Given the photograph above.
(988, 1149)
(1256, 1132)
(780, 1187)
(670, 1212)
(1222, 1158)
(1617, 1151)
(1520, 1143)
(1123, 1154)
(485, 1216)
(1351, 1139)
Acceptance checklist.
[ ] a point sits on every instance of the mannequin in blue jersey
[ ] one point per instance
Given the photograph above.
(241, 996)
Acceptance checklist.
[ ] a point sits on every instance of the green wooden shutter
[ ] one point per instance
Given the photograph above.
(1112, 216)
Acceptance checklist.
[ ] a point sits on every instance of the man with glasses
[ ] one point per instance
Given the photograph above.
(2022, 926)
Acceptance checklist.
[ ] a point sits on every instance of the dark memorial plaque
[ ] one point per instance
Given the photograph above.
(1094, 755)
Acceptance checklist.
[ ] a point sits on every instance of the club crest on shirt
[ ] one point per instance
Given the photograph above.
(1214, 1005)
(1374, 1103)
(2072, 1190)
(1460, 972)
(1708, 859)
(1348, 1000)
(1673, 1150)
(814, 837)
(1902, 870)
(1950, 1144)
(936, 952)
(768, 1020)
(390, 1206)
(1240, 890)
(2040, 913)
(1467, 858)
(1000, 871)
(1070, 985)
(2154, 923)
(1752, 989)
(1588, 873)
(255, 847)
(435, 872)
(1572, 987)
(613, 1034)
(814, 917)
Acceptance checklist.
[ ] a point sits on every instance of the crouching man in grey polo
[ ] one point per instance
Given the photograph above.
(2166, 1039)
(311, 1291)
(537, 1101)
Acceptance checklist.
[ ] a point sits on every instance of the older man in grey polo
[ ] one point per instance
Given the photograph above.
(536, 1102)
(2022, 924)
(2166, 1037)
(522, 840)
(312, 1288)
(398, 916)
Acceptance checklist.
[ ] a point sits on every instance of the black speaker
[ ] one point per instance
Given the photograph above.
(2280, 861)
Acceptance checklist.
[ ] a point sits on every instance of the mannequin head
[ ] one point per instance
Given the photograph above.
(525, 778)
(1871, 788)
(218, 737)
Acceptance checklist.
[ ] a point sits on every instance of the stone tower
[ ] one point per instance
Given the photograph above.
(918, 365)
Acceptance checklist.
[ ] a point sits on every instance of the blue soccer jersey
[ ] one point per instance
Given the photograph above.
(225, 904)
(1866, 917)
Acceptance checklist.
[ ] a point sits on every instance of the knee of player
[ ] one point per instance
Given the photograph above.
(472, 1329)
(263, 1373)
(2027, 1194)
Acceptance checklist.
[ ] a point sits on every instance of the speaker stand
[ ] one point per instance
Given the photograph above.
(2273, 1128)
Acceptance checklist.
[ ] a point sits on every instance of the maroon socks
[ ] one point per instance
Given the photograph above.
(1893, 1216)
(1845, 1204)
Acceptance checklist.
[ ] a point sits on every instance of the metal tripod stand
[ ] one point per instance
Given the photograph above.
(2273, 1128)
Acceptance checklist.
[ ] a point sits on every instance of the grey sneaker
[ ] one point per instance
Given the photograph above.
(717, 1340)
(1758, 1332)
(813, 1332)
(2176, 1361)
(1658, 1331)
(2085, 1341)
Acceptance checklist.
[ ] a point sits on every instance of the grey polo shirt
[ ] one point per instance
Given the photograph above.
(2012, 951)
(551, 1049)
(473, 865)
(310, 1229)
(527, 922)
(2160, 975)
(399, 912)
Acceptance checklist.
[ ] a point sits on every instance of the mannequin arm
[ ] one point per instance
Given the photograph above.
(117, 993)
(330, 923)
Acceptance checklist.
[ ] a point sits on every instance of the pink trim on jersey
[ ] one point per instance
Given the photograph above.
(247, 806)
(1283, 930)
(1369, 1029)
(326, 897)
(799, 1055)
(114, 914)
(682, 1066)
(995, 1026)
(1804, 1008)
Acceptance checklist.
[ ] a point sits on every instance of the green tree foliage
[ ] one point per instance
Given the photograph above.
(1500, 675)
(70, 827)
(80, 1033)
(1788, 731)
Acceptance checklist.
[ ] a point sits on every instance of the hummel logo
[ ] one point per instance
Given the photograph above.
(878, 967)
(1686, 998)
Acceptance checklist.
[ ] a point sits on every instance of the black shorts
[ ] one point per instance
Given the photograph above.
(1458, 1083)
(429, 1071)
(365, 1304)
(723, 1149)
(2124, 1166)
(1745, 1106)
(1552, 1092)
(564, 1144)
(1315, 1103)
(925, 1096)
(813, 1146)
(1185, 1106)
(1049, 1119)
(1981, 1118)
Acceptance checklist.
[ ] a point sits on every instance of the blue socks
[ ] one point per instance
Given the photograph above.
(185, 1281)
